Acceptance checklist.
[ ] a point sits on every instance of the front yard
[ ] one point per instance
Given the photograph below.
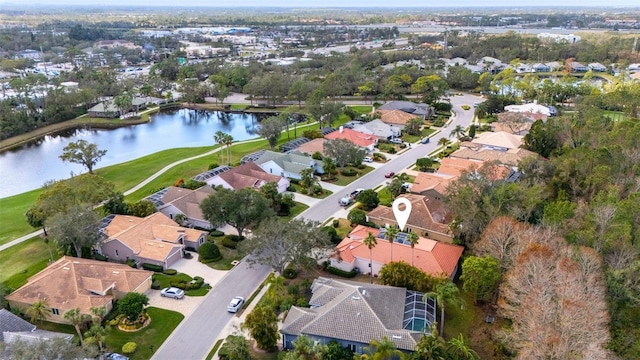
(344, 180)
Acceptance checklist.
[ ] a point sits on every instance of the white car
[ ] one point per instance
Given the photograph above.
(235, 304)
(396, 141)
(367, 159)
(172, 292)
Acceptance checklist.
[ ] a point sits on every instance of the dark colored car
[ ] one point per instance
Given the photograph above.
(389, 174)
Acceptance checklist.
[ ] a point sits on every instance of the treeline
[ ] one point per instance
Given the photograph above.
(584, 191)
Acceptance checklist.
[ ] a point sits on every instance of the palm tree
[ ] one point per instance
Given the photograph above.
(39, 311)
(412, 238)
(443, 142)
(76, 318)
(98, 312)
(385, 349)
(228, 141)
(276, 288)
(219, 139)
(370, 242)
(431, 346)
(98, 333)
(459, 350)
(390, 234)
(445, 292)
(458, 132)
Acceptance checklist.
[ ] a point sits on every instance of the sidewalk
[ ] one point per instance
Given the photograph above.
(233, 327)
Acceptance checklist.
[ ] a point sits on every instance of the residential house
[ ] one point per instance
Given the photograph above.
(491, 64)
(554, 65)
(578, 67)
(14, 328)
(534, 108)
(71, 283)
(524, 68)
(110, 44)
(357, 138)
(289, 165)
(378, 129)
(108, 109)
(539, 67)
(69, 86)
(429, 217)
(173, 200)
(423, 111)
(432, 185)
(433, 257)
(29, 54)
(501, 140)
(312, 147)
(353, 313)
(597, 67)
(397, 118)
(457, 61)
(477, 152)
(248, 175)
(155, 239)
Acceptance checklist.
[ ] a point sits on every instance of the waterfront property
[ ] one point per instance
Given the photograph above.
(174, 200)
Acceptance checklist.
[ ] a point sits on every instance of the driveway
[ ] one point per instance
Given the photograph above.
(191, 267)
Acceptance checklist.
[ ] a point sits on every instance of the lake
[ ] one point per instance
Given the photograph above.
(28, 167)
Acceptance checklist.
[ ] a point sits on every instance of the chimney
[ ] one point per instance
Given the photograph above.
(341, 129)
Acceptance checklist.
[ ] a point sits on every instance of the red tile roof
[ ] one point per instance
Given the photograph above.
(356, 137)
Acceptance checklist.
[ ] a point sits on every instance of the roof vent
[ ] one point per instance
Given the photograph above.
(116, 272)
(397, 337)
(355, 297)
(76, 262)
(66, 268)
(364, 292)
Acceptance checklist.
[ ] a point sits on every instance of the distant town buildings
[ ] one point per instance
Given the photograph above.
(570, 38)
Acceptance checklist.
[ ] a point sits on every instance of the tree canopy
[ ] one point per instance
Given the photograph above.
(83, 153)
(240, 209)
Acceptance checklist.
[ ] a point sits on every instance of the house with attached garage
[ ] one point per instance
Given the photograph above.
(71, 283)
(173, 200)
(289, 165)
(357, 138)
(155, 239)
(248, 175)
(420, 110)
(354, 313)
(379, 129)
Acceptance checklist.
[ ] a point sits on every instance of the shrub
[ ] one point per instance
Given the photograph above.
(342, 273)
(317, 155)
(152, 267)
(228, 243)
(235, 238)
(443, 106)
(213, 166)
(193, 184)
(156, 285)
(439, 122)
(170, 271)
(291, 188)
(129, 348)
(302, 302)
(216, 233)
(293, 289)
(303, 191)
(332, 233)
(403, 146)
(294, 181)
(131, 263)
(392, 150)
(379, 157)
(312, 134)
(466, 107)
(100, 257)
(290, 273)
(208, 251)
(336, 223)
(357, 216)
(187, 255)
(349, 172)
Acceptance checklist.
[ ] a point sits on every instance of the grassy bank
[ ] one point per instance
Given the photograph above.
(24, 260)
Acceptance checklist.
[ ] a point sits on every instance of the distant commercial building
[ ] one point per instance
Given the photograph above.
(569, 38)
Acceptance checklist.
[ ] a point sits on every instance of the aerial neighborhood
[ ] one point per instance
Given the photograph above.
(319, 184)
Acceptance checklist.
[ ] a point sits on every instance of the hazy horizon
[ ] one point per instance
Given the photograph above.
(337, 3)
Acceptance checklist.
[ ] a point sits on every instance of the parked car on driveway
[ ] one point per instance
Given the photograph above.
(396, 141)
(235, 304)
(389, 174)
(367, 159)
(172, 292)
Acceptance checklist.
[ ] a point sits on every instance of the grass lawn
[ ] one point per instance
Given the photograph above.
(385, 196)
(239, 106)
(12, 220)
(616, 115)
(415, 138)
(228, 255)
(346, 180)
(24, 260)
(344, 228)
(297, 209)
(299, 189)
(165, 280)
(361, 109)
(163, 322)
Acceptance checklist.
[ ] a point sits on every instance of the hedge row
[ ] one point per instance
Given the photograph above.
(342, 273)
(152, 267)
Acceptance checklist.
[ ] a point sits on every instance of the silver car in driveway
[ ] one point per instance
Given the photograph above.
(172, 292)
(235, 304)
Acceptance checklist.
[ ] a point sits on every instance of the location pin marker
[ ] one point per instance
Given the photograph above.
(402, 216)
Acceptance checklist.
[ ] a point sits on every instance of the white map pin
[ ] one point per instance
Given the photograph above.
(402, 216)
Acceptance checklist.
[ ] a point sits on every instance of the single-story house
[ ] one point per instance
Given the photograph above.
(597, 67)
(433, 257)
(501, 140)
(524, 68)
(455, 166)
(379, 129)
(173, 200)
(357, 138)
(423, 111)
(14, 328)
(529, 108)
(108, 109)
(478, 152)
(397, 118)
(429, 217)
(312, 147)
(71, 283)
(432, 185)
(69, 85)
(353, 313)
(155, 239)
(457, 61)
(289, 165)
(539, 67)
(248, 175)
(578, 67)
(554, 65)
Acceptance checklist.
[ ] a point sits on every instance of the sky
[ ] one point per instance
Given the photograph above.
(340, 3)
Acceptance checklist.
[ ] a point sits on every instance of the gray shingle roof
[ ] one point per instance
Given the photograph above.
(12, 323)
(354, 312)
(292, 162)
(407, 106)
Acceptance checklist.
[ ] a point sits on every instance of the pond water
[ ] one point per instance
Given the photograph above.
(30, 166)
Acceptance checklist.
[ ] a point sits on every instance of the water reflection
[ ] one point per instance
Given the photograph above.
(29, 166)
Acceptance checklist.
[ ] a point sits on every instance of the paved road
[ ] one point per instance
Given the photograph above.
(195, 335)
(329, 206)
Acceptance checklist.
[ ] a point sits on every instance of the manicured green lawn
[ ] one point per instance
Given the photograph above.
(228, 255)
(13, 224)
(385, 196)
(415, 138)
(616, 115)
(346, 180)
(299, 189)
(361, 109)
(24, 260)
(296, 210)
(163, 322)
(165, 281)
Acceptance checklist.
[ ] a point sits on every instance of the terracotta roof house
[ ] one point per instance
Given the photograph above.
(14, 328)
(155, 239)
(176, 200)
(429, 217)
(396, 117)
(289, 165)
(423, 111)
(247, 175)
(71, 283)
(353, 313)
(433, 185)
(379, 129)
(313, 146)
(432, 257)
(499, 140)
(473, 151)
(455, 166)
(362, 140)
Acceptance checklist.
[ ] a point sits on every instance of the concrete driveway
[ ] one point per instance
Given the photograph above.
(186, 305)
